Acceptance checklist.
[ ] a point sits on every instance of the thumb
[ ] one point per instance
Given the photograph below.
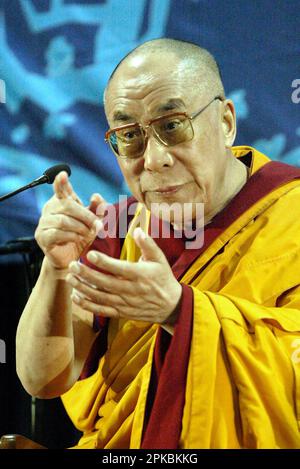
(63, 188)
(150, 250)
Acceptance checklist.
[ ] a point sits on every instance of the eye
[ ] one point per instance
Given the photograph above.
(129, 134)
(171, 125)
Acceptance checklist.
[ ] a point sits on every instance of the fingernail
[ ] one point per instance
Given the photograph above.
(77, 293)
(96, 198)
(98, 224)
(74, 266)
(92, 256)
(72, 280)
(139, 232)
(75, 298)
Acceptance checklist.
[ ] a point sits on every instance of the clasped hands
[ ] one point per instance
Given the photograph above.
(145, 291)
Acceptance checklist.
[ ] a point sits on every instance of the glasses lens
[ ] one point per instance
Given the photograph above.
(128, 142)
(172, 130)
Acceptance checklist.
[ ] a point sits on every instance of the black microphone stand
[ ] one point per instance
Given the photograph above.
(37, 182)
(48, 177)
(32, 257)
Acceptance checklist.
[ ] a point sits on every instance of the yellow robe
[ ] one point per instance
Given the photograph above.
(243, 381)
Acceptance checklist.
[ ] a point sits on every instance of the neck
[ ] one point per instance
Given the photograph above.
(235, 178)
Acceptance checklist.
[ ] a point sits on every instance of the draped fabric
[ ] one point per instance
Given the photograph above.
(229, 377)
(56, 57)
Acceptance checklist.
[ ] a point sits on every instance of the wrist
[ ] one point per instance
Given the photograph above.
(169, 328)
(51, 270)
(172, 318)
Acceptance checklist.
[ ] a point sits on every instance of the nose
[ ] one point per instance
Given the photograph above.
(157, 157)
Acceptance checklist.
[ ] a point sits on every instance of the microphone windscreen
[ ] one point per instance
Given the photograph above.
(52, 172)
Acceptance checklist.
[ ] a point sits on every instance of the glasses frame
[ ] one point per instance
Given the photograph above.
(144, 129)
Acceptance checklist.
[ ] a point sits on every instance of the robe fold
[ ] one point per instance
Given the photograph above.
(229, 377)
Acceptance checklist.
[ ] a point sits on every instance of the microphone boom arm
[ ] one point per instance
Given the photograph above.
(21, 189)
(48, 177)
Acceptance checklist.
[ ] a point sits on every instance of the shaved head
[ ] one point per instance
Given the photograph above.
(155, 82)
(194, 63)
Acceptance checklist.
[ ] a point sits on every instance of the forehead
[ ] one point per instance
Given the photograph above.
(142, 88)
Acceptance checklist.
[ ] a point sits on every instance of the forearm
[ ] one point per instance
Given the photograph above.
(44, 342)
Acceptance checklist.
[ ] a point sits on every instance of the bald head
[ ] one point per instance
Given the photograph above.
(195, 63)
(153, 85)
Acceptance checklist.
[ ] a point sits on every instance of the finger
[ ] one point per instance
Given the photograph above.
(74, 210)
(102, 281)
(63, 188)
(100, 310)
(97, 204)
(93, 294)
(150, 250)
(53, 237)
(124, 269)
(65, 223)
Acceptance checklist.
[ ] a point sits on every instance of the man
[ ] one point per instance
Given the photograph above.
(152, 344)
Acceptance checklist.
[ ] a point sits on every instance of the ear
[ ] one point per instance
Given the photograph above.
(229, 122)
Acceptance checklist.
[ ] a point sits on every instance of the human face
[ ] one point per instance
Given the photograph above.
(130, 140)
(192, 171)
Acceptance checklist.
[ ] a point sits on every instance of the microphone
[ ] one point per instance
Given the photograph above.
(48, 178)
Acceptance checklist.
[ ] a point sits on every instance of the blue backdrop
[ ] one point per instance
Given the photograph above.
(56, 57)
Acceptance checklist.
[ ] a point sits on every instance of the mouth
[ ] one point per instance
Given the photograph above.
(166, 190)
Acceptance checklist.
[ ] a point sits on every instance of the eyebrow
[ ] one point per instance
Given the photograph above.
(170, 105)
(174, 103)
(122, 116)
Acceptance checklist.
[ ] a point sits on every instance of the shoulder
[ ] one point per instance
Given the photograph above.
(275, 233)
(283, 215)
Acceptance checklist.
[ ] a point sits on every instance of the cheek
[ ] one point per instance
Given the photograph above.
(209, 134)
(131, 171)
(200, 162)
(208, 151)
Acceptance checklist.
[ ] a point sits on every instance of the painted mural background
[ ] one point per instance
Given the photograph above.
(56, 57)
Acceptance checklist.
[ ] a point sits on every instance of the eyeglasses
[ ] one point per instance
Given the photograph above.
(130, 141)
